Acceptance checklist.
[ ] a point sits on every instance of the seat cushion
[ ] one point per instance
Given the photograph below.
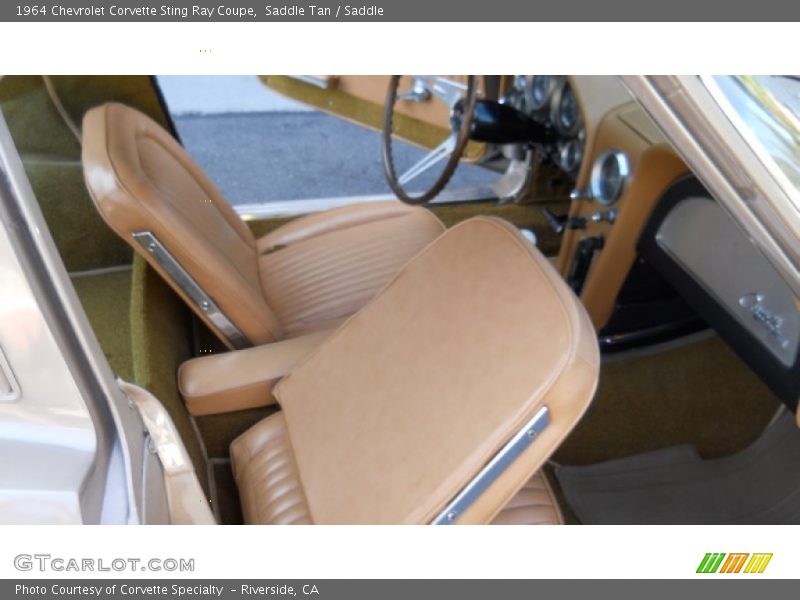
(405, 403)
(271, 492)
(534, 504)
(470, 345)
(266, 475)
(324, 267)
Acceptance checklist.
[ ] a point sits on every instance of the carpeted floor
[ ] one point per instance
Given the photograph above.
(143, 329)
(161, 332)
(106, 298)
(701, 394)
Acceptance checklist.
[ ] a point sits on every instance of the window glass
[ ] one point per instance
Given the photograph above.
(767, 111)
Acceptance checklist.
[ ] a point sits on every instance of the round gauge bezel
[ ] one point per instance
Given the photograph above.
(530, 104)
(555, 110)
(596, 178)
(564, 150)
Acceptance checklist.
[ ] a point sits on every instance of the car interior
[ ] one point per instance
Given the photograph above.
(588, 339)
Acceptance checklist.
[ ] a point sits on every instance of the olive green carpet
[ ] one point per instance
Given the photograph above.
(701, 394)
(106, 298)
(161, 329)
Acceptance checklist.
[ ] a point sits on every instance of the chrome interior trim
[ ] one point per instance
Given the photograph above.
(9, 388)
(597, 176)
(516, 179)
(292, 208)
(320, 82)
(494, 468)
(189, 286)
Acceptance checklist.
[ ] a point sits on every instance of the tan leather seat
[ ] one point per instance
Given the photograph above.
(311, 273)
(271, 491)
(430, 390)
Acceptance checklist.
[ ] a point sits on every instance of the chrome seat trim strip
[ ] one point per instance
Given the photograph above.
(191, 288)
(494, 468)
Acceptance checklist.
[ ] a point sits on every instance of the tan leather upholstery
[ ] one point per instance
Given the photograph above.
(141, 179)
(269, 485)
(244, 378)
(271, 492)
(534, 504)
(329, 265)
(400, 408)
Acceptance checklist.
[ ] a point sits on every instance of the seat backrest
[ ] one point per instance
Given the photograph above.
(440, 398)
(152, 194)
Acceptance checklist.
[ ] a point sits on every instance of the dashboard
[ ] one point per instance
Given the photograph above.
(552, 101)
(626, 167)
(650, 253)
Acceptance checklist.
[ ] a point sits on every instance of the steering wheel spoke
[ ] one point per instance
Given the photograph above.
(434, 157)
(455, 95)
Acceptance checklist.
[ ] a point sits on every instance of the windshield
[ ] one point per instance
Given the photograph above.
(766, 110)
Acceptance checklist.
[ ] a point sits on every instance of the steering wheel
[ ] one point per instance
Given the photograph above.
(460, 99)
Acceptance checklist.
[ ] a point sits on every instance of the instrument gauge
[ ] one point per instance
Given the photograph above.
(565, 111)
(538, 91)
(610, 174)
(515, 96)
(570, 155)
